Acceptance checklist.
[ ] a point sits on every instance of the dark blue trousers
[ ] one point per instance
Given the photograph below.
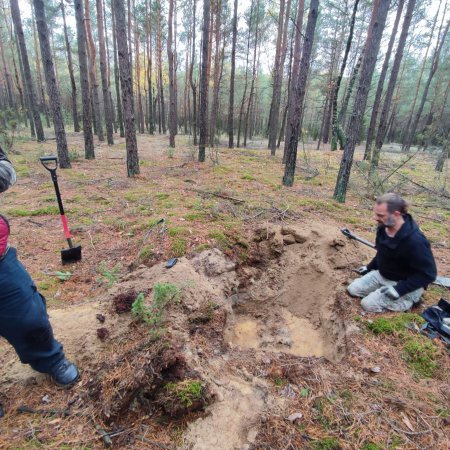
(23, 317)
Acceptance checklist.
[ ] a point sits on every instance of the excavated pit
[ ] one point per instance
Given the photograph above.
(294, 305)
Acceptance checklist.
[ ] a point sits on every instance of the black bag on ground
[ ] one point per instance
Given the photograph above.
(435, 316)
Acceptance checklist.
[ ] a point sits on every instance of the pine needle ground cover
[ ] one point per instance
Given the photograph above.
(342, 402)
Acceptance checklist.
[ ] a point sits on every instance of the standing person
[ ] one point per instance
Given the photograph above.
(404, 265)
(24, 322)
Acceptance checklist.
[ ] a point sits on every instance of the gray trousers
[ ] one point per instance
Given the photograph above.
(368, 289)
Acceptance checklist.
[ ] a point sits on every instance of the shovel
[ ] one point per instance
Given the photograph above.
(71, 254)
(441, 281)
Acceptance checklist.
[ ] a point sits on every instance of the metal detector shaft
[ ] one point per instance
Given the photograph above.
(346, 232)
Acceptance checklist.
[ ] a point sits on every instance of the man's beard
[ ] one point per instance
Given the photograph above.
(390, 222)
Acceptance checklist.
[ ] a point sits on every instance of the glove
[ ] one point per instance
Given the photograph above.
(390, 292)
(362, 270)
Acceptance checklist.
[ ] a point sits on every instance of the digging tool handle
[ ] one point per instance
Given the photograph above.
(350, 235)
(47, 162)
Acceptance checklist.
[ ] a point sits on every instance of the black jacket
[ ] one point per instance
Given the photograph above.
(406, 258)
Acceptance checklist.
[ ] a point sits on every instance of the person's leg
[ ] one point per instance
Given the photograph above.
(379, 302)
(361, 287)
(26, 327)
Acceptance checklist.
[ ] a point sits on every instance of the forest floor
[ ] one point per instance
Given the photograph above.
(250, 340)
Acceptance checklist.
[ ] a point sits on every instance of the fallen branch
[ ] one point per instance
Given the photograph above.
(439, 194)
(218, 194)
(45, 412)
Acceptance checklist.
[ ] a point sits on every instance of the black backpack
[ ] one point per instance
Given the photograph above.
(435, 326)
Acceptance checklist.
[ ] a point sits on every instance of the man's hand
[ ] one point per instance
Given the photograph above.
(390, 292)
(362, 270)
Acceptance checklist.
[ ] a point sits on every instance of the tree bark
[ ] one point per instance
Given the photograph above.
(434, 65)
(151, 117)
(116, 73)
(15, 13)
(203, 112)
(52, 87)
(84, 81)
(215, 99)
(76, 123)
(382, 127)
(280, 56)
(380, 86)
(172, 75)
(126, 82)
(92, 66)
(191, 78)
(294, 75)
(104, 74)
(300, 91)
(375, 31)
(232, 76)
(337, 133)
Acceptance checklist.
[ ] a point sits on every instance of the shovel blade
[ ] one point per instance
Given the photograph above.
(71, 255)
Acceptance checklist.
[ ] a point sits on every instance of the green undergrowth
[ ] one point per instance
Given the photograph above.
(50, 210)
(394, 325)
(186, 391)
(153, 315)
(420, 353)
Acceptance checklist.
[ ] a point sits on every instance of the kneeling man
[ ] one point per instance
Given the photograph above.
(404, 265)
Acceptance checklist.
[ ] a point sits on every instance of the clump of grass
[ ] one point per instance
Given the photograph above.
(186, 391)
(327, 443)
(420, 356)
(248, 176)
(394, 325)
(371, 446)
(50, 210)
(147, 252)
(178, 246)
(177, 231)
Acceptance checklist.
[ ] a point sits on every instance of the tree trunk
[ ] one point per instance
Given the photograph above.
(380, 86)
(241, 111)
(348, 94)
(92, 66)
(40, 83)
(116, 73)
(232, 76)
(215, 100)
(141, 125)
(280, 55)
(84, 81)
(294, 75)
(300, 91)
(252, 85)
(151, 117)
(15, 13)
(126, 82)
(422, 70)
(382, 127)
(203, 112)
(191, 80)
(434, 65)
(375, 31)
(103, 74)
(7, 77)
(336, 131)
(162, 116)
(76, 123)
(52, 87)
(172, 75)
